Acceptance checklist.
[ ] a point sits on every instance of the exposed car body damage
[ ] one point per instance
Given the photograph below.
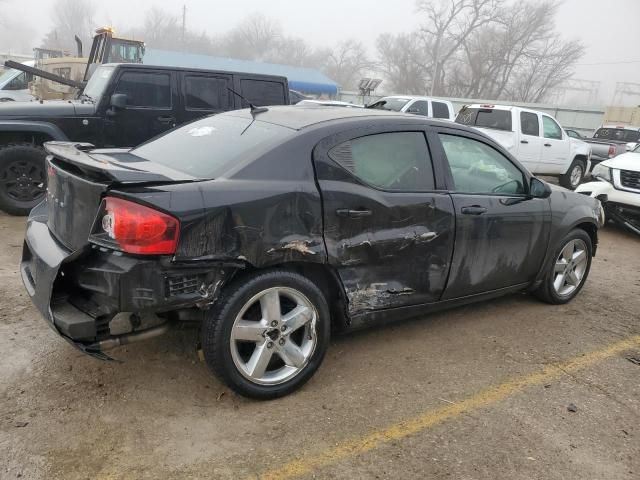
(382, 254)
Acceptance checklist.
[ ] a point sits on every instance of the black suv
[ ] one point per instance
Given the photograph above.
(122, 105)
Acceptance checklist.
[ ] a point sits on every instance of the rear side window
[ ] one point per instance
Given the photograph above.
(440, 110)
(486, 117)
(262, 92)
(529, 124)
(146, 89)
(392, 161)
(551, 128)
(206, 93)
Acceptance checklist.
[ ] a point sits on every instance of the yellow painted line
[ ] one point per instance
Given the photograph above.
(350, 448)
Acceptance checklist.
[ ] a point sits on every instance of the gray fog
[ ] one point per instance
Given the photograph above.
(609, 30)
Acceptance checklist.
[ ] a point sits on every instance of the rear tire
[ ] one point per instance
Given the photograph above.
(262, 349)
(568, 269)
(22, 178)
(574, 175)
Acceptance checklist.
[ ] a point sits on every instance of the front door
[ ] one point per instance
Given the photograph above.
(388, 228)
(556, 148)
(529, 147)
(501, 232)
(149, 110)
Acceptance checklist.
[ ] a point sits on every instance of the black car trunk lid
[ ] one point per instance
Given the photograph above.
(78, 180)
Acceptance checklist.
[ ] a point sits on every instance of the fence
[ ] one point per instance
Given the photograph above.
(580, 118)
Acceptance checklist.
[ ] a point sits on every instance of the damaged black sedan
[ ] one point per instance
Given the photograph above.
(275, 228)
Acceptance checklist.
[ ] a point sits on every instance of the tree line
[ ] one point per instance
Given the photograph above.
(489, 49)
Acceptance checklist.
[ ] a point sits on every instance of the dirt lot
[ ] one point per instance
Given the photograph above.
(477, 392)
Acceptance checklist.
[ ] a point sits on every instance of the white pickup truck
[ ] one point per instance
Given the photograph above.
(534, 138)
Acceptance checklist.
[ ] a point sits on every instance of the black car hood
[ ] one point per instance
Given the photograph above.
(113, 165)
(57, 108)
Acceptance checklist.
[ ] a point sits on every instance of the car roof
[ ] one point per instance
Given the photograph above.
(415, 97)
(141, 66)
(621, 127)
(298, 117)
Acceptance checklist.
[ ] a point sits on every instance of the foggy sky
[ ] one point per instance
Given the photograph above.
(610, 30)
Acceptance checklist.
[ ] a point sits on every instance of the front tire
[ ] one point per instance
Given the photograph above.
(22, 178)
(568, 269)
(574, 175)
(267, 334)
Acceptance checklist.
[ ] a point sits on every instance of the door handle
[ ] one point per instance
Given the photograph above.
(345, 212)
(547, 144)
(473, 210)
(524, 141)
(166, 119)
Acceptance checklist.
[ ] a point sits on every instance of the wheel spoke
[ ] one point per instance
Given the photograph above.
(270, 306)
(561, 266)
(296, 318)
(257, 364)
(573, 279)
(291, 354)
(246, 330)
(579, 256)
(559, 282)
(567, 252)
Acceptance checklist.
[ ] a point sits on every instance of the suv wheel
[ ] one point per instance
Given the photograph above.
(574, 175)
(569, 269)
(266, 336)
(22, 178)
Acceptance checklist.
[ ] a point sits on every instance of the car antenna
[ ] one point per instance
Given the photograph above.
(254, 110)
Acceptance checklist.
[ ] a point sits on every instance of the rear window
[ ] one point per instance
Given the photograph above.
(617, 134)
(262, 92)
(486, 117)
(211, 146)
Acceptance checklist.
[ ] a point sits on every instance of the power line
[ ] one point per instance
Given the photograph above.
(607, 63)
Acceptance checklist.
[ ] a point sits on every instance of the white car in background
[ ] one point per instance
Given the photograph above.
(617, 186)
(535, 138)
(14, 85)
(426, 106)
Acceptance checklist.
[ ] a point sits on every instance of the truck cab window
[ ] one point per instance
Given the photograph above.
(440, 110)
(529, 124)
(551, 129)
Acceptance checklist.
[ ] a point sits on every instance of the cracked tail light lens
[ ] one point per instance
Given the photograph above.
(134, 228)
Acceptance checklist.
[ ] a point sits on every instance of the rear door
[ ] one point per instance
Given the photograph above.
(501, 233)
(151, 103)
(204, 94)
(556, 148)
(388, 224)
(529, 146)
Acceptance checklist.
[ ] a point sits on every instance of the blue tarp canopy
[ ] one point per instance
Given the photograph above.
(306, 80)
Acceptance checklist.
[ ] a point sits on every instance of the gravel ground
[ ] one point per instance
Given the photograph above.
(159, 413)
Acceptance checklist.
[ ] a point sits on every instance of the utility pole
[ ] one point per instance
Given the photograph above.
(184, 22)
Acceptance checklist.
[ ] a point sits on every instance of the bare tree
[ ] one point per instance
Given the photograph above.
(347, 62)
(254, 38)
(402, 61)
(70, 18)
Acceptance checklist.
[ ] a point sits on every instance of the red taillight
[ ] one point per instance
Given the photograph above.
(139, 229)
(612, 151)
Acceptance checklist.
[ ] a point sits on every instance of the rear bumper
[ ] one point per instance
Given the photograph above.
(79, 293)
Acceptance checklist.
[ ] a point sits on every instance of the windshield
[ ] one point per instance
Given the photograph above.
(209, 147)
(617, 134)
(485, 117)
(98, 82)
(391, 104)
(7, 75)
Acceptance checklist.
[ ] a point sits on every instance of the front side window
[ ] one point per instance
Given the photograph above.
(478, 168)
(391, 161)
(146, 90)
(551, 128)
(529, 124)
(419, 107)
(440, 110)
(206, 93)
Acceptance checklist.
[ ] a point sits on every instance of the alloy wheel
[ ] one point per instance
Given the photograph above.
(570, 267)
(274, 336)
(23, 181)
(576, 175)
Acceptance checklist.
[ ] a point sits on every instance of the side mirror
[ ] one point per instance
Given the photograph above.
(539, 189)
(119, 101)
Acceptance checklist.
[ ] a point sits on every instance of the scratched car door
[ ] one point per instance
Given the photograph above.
(388, 228)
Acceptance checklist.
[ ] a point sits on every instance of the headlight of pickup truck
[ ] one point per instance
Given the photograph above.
(603, 173)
